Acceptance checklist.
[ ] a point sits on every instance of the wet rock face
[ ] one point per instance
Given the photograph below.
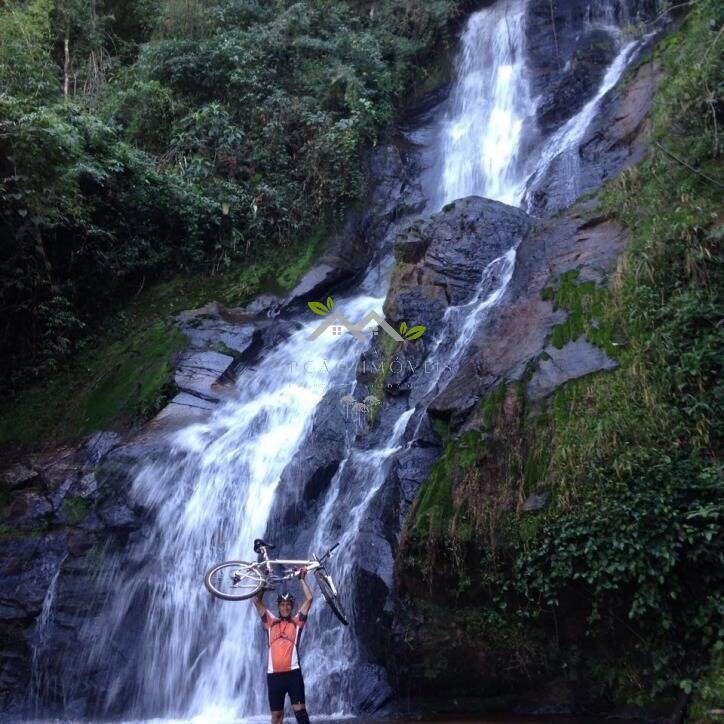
(563, 34)
(63, 506)
(516, 336)
(442, 258)
(615, 140)
(578, 80)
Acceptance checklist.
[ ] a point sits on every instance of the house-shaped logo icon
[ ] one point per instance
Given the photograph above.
(337, 321)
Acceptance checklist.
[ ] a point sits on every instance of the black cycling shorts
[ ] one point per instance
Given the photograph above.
(283, 683)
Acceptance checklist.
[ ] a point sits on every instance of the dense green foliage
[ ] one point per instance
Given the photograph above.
(625, 565)
(140, 140)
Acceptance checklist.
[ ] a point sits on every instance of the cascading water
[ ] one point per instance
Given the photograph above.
(211, 494)
(210, 498)
(480, 136)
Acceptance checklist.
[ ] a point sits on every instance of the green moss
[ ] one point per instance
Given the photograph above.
(75, 509)
(434, 507)
(536, 464)
(492, 405)
(118, 382)
(294, 267)
(377, 386)
(586, 305)
(442, 428)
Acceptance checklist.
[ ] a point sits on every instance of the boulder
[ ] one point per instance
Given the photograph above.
(19, 476)
(198, 373)
(442, 258)
(575, 359)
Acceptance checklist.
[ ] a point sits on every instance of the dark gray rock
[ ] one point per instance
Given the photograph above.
(57, 465)
(575, 359)
(443, 258)
(198, 373)
(316, 282)
(555, 34)
(183, 410)
(29, 510)
(304, 483)
(579, 80)
(87, 485)
(58, 496)
(19, 476)
(615, 140)
(117, 514)
(99, 445)
(215, 327)
(27, 568)
(264, 305)
(512, 339)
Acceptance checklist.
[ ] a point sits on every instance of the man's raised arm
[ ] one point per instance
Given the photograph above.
(259, 602)
(308, 595)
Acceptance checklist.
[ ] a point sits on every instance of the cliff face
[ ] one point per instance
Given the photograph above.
(543, 564)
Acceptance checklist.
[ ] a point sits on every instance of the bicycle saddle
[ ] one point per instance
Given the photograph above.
(259, 543)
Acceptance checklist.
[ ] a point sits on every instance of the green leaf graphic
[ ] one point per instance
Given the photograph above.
(415, 332)
(403, 328)
(330, 303)
(318, 308)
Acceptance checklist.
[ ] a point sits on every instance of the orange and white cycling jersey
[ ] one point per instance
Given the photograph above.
(283, 641)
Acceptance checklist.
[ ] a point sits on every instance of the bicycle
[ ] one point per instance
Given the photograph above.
(241, 580)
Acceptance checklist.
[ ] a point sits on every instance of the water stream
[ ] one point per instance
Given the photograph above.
(480, 136)
(211, 493)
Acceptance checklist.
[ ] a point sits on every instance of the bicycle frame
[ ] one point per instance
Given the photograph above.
(310, 565)
(254, 578)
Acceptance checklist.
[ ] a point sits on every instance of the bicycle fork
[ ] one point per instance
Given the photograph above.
(265, 556)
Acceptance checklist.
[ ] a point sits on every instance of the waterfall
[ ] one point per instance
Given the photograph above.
(39, 683)
(480, 136)
(210, 497)
(211, 492)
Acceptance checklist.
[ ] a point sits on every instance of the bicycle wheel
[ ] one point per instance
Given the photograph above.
(234, 580)
(330, 595)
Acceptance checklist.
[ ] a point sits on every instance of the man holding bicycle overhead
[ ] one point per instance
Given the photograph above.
(283, 673)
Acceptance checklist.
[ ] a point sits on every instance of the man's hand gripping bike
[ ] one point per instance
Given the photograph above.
(239, 580)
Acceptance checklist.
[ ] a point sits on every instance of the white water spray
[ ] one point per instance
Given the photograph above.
(480, 137)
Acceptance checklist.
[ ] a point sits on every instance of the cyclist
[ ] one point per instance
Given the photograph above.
(283, 673)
